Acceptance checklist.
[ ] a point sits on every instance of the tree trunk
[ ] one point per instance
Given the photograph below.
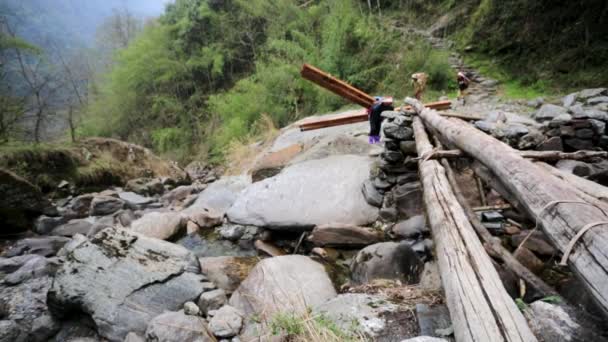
(479, 305)
(538, 155)
(591, 188)
(557, 206)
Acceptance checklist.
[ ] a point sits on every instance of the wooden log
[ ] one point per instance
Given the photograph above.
(537, 155)
(493, 244)
(557, 206)
(355, 117)
(479, 305)
(336, 85)
(589, 187)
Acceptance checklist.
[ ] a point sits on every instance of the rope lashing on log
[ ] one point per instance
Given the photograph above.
(564, 261)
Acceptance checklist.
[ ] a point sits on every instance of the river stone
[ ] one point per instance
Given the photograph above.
(549, 111)
(45, 224)
(145, 186)
(536, 242)
(73, 227)
(413, 227)
(397, 132)
(105, 205)
(219, 196)
(159, 225)
(25, 305)
(9, 265)
(177, 326)
(135, 199)
(369, 315)
(579, 144)
(372, 196)
(21, 202)
(568, 100)
(408, 198)
(597, 100)
(34, 268)
(290, 283)
(306, 194)
(148, 274)
(551, 322)
(227, 272)
(386, 260)
(343, 235)
(432, 318)
(588, 93)
(576, 167)
(46, 246)
(551, 144)
(226, 322)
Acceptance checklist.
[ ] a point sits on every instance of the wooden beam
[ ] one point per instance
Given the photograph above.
(335, 85)
(557, 206)
(479, 305)
(537, 155)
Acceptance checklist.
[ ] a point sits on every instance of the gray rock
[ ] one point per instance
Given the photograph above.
(341, 235)
(551, 322)
(397, 132)
(290, 283)
(34, 268)
(79, 328)
(368, 315)
(536, 242)
(515, 130)
(10, 265)
(371, 194)
(191, 309)
(495, 116)
(430, 278)
(81, 205)
(76, 241)
(588, 93)
(25, 304)
(46, 246)
(21, 202)
(212, 300)
(125, 217)
(219, 196)
(381, 184)
(227, 322)
(408, 198)
(177, 326)
(432, 318)
(279, 202)
(389, 114)
(388, 214)
(551, 144)
(133, 337)
(232, 232)
(530, 140)
(203, 247)
(45, 224)
(73, 227)
(105, 205)
(577, 111)
(160, 225)
(425, 339)
(492, 216)
(584, 133)
(145, 186)
(548, 112)
(393, 156)
(596, 114)
(579, 144)
(597, 100)
(135, 199)
(408, 147)
(227, 272)
(386, 260)
(411, 228)
(599, 127)
(142, 272)
(568, 100)
(485, 126)
(576, 167)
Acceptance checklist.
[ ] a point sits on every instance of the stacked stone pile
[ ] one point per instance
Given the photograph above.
(393, 185)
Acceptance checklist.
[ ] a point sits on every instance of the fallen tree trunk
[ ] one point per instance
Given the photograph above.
(479, 305)
(591, 188)
(493, 244)
(565, 215)
(537, 155)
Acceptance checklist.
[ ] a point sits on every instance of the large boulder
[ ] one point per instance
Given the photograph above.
(227, 272)
(46, 246)
(177, 326)
(272, 163)
(144, 276)
(21, 202)
(386, 260)
(106, 205)
(160, 225)
(307, 194)
(73, 227)
(219, 196)
(344, 235)
(291, 283)
(226, 322)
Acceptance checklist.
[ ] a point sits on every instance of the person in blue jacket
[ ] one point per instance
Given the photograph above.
(375, 118)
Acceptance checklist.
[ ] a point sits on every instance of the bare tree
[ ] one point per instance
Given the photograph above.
(117, 31)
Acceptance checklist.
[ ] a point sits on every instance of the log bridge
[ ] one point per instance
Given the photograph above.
(572, 212)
